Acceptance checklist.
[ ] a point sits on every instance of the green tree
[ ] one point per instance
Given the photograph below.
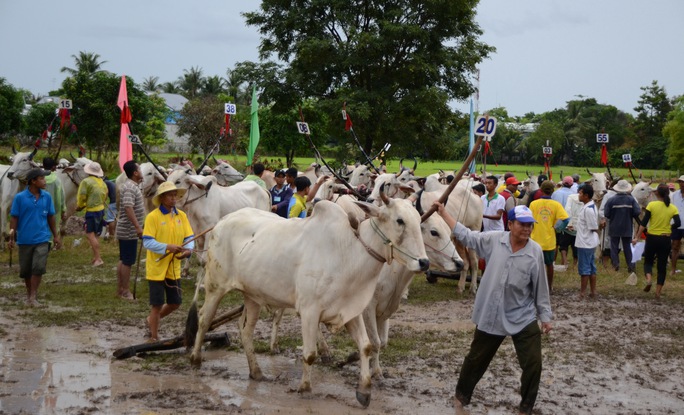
(674, 131)
(384, 58)
(98, 117)
(11, 106)
(213, 85)
(201, 120)
(151, 84)
(652, 109)
(39, 118)
(86, 62)
(191, 82)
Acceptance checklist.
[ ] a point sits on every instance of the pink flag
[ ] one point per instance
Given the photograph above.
(125, 146)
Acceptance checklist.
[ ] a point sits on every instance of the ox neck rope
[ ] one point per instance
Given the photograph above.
(389, 243)
(440, 251)
(187, 202)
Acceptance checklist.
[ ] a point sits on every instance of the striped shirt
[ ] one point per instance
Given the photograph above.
(130, 196)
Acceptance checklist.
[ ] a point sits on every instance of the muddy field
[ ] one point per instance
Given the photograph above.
(605, 356)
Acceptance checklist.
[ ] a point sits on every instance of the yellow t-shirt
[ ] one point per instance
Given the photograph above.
(546, 212)
(298, 209)
(659, 224)
(169, 228)
(92, 194)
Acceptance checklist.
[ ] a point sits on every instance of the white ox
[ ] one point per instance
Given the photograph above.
(329, 191)
(395, 279)
(644, 193)
(13, 181)
(206, 202)
(360, 176)
(71, 177)
(464, 205)
(328, 272)
(226, 175)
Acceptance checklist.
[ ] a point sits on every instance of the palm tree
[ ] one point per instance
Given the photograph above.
(213, 85)
(191, 82)
(233, 82)
(170, 88)
(151, 84)
(86, 62)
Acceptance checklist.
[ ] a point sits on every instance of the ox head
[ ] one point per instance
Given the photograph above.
(360, 176)
(22, 163)
(439, 246)
(395, 226)
(152, 178)
(599, 181)
(388, 185)
(643, 193)
(226, 174)
(76, 170)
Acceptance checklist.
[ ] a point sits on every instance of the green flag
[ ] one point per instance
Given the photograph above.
(254, 128)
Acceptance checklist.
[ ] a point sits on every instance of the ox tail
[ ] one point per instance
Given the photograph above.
(192, 322)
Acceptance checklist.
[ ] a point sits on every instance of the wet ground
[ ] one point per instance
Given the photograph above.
(607, 356)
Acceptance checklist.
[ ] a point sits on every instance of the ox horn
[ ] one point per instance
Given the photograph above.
(383, 196)
(72, 156)
(14, 150)
(33, 153)
(590, 173)
(415, 164)
(401, 165)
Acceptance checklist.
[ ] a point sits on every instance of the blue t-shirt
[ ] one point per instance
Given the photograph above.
(32, 214)
(111, 190)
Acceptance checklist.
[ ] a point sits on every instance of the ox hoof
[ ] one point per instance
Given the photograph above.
(195, 362)
(363, 398)
(326, 359)
(257, 375)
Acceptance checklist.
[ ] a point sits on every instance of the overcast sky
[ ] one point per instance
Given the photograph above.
(548, 51)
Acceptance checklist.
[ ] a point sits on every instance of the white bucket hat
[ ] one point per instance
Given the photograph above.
(94, 169)
(622, 186)
(681, 178)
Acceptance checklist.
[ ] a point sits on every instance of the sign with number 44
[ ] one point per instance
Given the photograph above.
(626, 158)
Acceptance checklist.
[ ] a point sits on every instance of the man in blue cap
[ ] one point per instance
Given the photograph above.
(513, 294)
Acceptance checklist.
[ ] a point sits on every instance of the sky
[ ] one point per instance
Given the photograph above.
(548, 51)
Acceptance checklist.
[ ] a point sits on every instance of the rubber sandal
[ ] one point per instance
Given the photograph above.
(647, 288)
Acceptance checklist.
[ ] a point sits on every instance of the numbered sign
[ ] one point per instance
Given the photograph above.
(602, 138)
(230, 108)
(486, 130)
(626, 158)
(65, 104)
(134, 139)
(547, 151)
(344, 115)
(303, 128)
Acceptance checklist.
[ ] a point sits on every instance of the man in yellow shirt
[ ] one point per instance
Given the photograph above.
(92, 193)
(551, 217)
(166, 230)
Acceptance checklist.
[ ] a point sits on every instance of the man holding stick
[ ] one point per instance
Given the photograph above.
(167, 231)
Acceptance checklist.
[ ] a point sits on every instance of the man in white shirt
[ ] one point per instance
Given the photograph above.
(494, 205)
(677, 234)
(587, 240)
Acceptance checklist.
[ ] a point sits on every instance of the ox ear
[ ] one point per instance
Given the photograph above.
(353, 222)
(407, 189)
(371, 210)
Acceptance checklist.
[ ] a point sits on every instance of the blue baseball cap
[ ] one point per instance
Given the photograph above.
(521, 214)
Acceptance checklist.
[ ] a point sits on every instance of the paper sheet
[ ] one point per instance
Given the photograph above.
(637, 251)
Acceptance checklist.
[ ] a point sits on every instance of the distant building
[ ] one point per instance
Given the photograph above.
(176, 142)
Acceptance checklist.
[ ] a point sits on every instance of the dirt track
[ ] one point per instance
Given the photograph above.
(606, 356)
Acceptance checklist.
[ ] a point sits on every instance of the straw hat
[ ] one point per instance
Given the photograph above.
(622, 186)
(94, 169)
(165, 188)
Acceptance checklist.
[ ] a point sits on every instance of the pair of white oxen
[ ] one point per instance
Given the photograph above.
(345, 266)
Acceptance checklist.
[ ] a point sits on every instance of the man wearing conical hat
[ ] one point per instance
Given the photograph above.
(166, 231)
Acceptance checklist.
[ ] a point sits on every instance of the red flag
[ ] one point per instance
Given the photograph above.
(65, 117)
(347, 119)
(44, 135)
(125, 146)
(227, 130)
(604, 155)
